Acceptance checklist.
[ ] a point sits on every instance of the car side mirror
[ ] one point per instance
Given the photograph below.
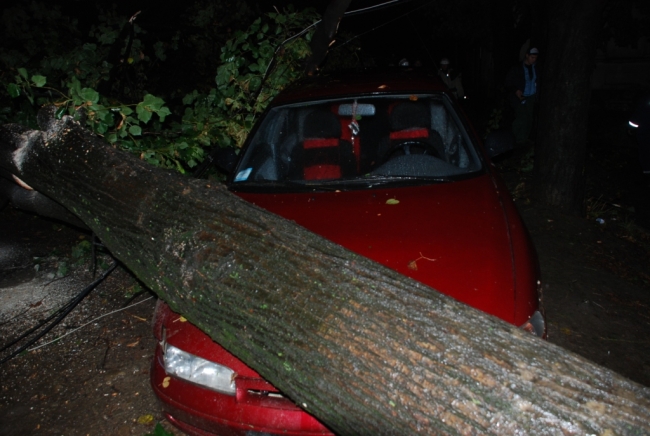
(223, 159)
(499, 141)
(226, 159)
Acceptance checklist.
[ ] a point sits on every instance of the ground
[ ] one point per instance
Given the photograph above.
(95, 380)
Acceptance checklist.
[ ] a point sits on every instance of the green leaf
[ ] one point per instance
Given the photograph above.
(179, 167)
(152, 102)
(135, 130)
(101, 128)
(106, 116)
(23, 73)
(39, 81)
(60, 112)
(88, 94)
(203, 140)
(189, 98)
(144, 114)
(163, 112)
(13, 90)
(159, 430)
(223, 75)
(75, 91)
(62, 270)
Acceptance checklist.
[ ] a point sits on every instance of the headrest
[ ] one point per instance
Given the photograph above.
(322, 124)
(408, 115)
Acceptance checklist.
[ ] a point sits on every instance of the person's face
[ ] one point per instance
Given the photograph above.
(531, 59)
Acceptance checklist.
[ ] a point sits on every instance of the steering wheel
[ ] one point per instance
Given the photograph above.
(411, 147)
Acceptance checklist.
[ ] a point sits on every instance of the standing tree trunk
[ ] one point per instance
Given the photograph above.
(560, 149)
(364, 349)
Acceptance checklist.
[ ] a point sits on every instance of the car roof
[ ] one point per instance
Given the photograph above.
(392, 80)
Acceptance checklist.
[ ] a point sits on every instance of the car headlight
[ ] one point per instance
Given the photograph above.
(198, 370)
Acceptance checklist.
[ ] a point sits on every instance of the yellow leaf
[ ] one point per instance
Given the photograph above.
(165, 383)
(145, 419)
(182, 319)
(392, 201)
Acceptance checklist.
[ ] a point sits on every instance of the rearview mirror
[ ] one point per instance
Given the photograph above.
(362, 109)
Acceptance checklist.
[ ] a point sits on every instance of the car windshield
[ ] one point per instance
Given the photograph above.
(358, 142)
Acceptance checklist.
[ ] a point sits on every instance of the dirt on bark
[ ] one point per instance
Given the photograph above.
(94, 380)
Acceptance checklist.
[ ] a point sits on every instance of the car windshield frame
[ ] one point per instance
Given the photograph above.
(357, 142)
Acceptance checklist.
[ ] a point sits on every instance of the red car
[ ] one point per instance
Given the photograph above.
(335, 154)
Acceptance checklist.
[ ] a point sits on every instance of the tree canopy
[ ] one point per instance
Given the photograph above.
(124, 80)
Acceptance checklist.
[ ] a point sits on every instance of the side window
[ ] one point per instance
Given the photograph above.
(457, 150)
(262, 160)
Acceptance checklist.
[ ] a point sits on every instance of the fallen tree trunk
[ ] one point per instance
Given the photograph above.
(364, 349)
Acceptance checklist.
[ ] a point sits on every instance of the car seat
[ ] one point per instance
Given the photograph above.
(323, 154)
(410, 130)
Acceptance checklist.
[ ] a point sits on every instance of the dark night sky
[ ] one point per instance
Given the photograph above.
(387, 34)
(394, 34)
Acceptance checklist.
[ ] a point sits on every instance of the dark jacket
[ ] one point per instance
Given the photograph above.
(516, 79)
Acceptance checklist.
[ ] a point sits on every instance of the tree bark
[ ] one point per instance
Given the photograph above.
(364, 349)
(561, 146)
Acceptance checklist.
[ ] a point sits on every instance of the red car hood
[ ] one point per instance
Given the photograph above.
(451, 236)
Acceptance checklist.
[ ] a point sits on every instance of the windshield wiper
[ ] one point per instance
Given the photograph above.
(387, 177)
(300, 185)
(377, 179)
(393, 178)
(368, 180)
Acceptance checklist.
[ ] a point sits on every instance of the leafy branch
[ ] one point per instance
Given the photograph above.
(173, 136)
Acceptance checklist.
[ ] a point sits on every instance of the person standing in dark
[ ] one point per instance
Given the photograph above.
(522, 84)
(451, 78)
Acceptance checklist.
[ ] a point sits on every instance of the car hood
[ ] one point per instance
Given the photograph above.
(451, 236)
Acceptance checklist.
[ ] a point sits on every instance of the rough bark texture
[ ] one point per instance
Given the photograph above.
(560, 149)
(364, 349)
